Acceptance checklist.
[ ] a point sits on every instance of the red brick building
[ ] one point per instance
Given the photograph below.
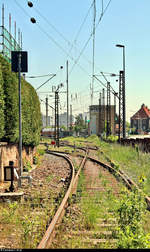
(141, 120)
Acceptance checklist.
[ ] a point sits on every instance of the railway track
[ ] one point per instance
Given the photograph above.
(101, 233)
(86, 216)
(47, 238)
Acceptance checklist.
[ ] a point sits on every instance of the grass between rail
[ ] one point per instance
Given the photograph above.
(23, 224)
(136, 165)
(82, 216)
(133, 162)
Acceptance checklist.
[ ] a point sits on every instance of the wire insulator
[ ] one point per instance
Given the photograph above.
(30, 4)
(33, 20)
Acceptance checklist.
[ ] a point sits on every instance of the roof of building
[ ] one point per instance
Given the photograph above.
(143, 113)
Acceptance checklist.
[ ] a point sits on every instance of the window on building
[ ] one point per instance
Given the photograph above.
(144, 121)
(135, 122)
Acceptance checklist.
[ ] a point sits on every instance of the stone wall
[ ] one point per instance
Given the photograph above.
(9, 152)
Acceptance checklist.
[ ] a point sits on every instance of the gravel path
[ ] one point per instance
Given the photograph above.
(20, 223)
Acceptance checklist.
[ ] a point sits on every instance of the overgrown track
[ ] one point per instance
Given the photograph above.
(49, 235)
(47, 238)
(129, 183)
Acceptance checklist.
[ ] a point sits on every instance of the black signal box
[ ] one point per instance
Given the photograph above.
(15, 61)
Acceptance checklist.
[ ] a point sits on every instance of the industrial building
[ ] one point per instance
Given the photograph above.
(102, 118)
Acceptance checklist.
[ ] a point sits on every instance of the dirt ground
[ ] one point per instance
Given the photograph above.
(48, 181)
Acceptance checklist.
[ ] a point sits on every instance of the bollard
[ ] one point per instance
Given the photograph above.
(9, 174)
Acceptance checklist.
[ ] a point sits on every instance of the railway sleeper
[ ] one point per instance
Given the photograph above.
(100, 241)
(90, 234)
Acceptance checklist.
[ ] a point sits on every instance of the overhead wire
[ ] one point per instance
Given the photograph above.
(80, 28)
(49, 36)
(85, 45)
(38, 76)
(66, 40)
(55, 42)
(56, 30)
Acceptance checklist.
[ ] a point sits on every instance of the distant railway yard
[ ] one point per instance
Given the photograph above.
(85, 194)
(74, 125)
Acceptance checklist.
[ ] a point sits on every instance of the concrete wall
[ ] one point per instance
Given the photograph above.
(93, 124)
(9, 152)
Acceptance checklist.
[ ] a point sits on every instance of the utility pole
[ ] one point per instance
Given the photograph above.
(122, 83)
(57, 114)
(20, 121)
(100, 114)
(115, 94)
(67, 98)
(108, 110)
(121, 103)
(103, 111)
(56, 118)
(93, 64)
(70, 117)
(19, 64)
(46, 111)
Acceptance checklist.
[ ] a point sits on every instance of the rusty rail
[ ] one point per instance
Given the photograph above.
(47, 238)
(128, 181)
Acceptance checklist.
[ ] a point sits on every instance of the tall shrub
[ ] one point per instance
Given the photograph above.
(31, 117)
(1, 105)
(11, 102)
(31, 114)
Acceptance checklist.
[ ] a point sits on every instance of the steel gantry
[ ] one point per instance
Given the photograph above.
(108, 111)
(121, 104)
(57, 118)
(103, 112)
(100, 114)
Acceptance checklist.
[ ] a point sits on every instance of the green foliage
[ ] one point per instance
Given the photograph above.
(79, 124)
(131, 210)
(9, 98)
(63, 127)
(31, 117)
(112, 139)
(8, 213)
(27, 226)
(40, 152)
(132, 131)
(1, 104)
(26, 165)
(11, 102)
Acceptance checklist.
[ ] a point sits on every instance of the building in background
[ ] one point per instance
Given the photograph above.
(63, 119)
(140, 121)
(46, 120)
(98, 119)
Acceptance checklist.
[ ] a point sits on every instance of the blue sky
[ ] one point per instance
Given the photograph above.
(57, 37)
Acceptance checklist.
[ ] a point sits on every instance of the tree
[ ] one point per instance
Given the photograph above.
(79, 124)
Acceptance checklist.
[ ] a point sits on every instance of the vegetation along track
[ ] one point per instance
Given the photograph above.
(23, 223)
(88, 209)
(95, 226)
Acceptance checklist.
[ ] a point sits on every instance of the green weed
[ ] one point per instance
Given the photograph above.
(131, 209)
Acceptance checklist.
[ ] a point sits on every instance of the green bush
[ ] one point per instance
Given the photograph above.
(131, 211)
(2, 132)
(112, 139)
(10, 101)
(31, 115)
